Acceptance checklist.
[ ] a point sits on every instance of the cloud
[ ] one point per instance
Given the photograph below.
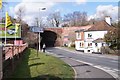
(32, 9)
(60, 0)
(105, 10)
(80, 1)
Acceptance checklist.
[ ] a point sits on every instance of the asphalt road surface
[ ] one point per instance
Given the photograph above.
(100, 61)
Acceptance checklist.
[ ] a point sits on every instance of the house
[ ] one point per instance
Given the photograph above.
(91, 40)
(69, 34)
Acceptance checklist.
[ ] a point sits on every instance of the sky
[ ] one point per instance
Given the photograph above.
(33, 8)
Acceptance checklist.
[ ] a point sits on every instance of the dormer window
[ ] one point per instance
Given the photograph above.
(89, 35)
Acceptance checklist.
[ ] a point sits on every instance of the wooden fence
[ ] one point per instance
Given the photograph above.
(11, 50)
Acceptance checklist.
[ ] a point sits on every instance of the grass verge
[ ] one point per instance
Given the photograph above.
(42, 66)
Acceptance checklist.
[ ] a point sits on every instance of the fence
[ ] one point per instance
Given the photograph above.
(10, 52)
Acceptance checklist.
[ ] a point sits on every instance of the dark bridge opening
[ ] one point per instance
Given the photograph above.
(49, 38)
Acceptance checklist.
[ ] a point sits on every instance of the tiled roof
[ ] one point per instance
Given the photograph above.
(83, 28)
(100, 26)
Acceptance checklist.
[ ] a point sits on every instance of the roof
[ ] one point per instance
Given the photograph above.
(101, 26)
(83, 28)
(98, 40)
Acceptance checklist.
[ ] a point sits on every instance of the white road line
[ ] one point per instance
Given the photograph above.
(106, 69)
(114, 61)
(116, 70)
(103, 56)
(93, 58)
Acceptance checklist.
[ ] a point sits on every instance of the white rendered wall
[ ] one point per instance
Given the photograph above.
(93, 48)
(77, 45)
(95, 35)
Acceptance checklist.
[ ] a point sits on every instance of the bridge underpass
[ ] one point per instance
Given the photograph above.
(49, 38)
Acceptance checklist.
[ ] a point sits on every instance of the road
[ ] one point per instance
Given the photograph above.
(100, 61)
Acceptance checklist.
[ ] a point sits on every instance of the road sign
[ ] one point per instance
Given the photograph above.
(37, 29)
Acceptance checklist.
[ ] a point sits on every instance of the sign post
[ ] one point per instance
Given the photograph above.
(38, 30)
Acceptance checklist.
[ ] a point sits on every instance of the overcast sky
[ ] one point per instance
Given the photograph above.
(92, 7)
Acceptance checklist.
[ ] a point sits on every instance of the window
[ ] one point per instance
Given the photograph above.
(80, 44)
(78, 36)
(89, 35)
(88, 50)
(102, 44)
(96, 44)
(89, 44)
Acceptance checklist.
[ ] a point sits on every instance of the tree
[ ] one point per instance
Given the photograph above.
(76, 18)
(36, 22)
(113, 37)
(39, 22)
(20, 13)
(54, 19)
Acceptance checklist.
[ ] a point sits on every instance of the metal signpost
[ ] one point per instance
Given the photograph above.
(38, 30)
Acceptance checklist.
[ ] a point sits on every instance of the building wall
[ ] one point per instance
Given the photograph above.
(66, 34)
(69, 35)
(95, 35)
(89, 46)
(81, 36)
(78, 45)
(88, 40)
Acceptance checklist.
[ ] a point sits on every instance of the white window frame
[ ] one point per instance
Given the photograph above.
(90, 35)
(78, 35)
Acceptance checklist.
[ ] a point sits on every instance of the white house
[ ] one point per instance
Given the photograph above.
(92, 38)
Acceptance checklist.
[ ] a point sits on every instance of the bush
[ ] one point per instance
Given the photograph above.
(107, 50)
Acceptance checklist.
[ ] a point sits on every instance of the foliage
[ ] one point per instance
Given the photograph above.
(76, 18)
(54, 19)
(20, 13)
(112, 38)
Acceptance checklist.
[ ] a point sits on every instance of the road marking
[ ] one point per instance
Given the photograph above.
(93, 58)
(116, 69)
(106, 69)
(96, 55)
(114, 61)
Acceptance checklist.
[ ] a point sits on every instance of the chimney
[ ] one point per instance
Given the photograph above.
(108, 19)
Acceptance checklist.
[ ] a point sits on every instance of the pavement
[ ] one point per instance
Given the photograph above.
(83, 70)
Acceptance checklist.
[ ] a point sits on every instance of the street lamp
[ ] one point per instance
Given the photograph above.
(40, 26)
